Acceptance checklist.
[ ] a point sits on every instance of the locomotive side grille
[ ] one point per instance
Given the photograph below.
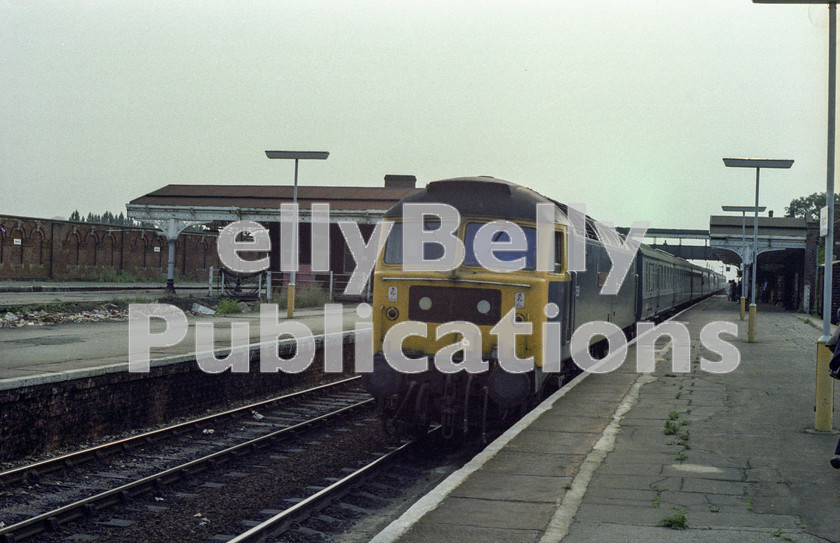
(445, 304)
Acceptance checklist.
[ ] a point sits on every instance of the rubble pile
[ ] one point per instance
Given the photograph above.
(107, 312)
(25, 317)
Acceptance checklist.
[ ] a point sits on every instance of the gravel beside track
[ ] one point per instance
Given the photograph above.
(191, 511)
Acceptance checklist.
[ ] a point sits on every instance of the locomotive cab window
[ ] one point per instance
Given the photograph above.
(503, 255)
(394, 244)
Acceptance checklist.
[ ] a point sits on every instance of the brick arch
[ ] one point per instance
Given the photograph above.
(158, 259)
(141, 242)
(201, 249)
(90, 241)
(108, 245)
(15, 250)
(34, 247)
(73, 246)
(210, 254)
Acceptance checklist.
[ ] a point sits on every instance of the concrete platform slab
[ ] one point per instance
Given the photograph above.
(470, 534)
(744, 470)
(492, 514)
(35, 355)
(523, 488)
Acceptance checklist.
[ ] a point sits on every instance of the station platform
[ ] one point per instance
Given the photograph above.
(78, 286)
(20, 293)
(35, 355)
(594, 462)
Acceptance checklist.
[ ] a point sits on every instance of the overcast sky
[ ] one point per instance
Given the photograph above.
(627, 106)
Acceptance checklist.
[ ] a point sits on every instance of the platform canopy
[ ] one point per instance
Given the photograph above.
(728, 234)
(227, 203)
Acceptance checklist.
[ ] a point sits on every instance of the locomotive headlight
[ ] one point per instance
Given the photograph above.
(483, 307)
(392, 313)
(425, 303)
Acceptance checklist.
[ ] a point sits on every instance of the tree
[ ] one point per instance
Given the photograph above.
(808, 205)
(109, 218)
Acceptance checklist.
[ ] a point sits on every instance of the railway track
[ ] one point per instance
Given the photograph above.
(304, 509)
(99, 452)
(292, 415)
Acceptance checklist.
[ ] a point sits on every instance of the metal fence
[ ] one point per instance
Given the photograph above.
(268, 284)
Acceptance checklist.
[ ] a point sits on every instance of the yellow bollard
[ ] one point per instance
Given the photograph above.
(824, 404)
(743, 306)
(290, 302)
(751, 325)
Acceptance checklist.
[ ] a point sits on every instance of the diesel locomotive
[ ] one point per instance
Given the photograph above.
(655, 285)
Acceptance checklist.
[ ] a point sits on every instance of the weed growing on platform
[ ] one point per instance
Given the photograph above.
(677, 521)
(780, 533)
(671, 428)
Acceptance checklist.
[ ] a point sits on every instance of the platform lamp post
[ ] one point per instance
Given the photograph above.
(296, 155)
(756, 163)
(743, 210)
(824, 401)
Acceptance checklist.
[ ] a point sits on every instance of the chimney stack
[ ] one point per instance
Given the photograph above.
(400, 181)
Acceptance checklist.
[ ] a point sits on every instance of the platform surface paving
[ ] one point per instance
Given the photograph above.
(597, 465)
(35, 354)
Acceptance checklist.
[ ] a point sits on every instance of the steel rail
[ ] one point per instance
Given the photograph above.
(87, 506)
(85, 455)
(318, 501)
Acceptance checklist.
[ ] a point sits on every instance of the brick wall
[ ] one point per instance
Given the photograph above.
(32, 248)
(42, 417)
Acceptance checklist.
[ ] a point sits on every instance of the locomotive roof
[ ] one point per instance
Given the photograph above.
(482, 196)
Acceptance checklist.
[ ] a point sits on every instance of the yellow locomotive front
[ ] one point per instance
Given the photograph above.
(458, 331)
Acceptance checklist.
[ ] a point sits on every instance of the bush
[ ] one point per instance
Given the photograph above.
(308, 296)
(226, 306)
